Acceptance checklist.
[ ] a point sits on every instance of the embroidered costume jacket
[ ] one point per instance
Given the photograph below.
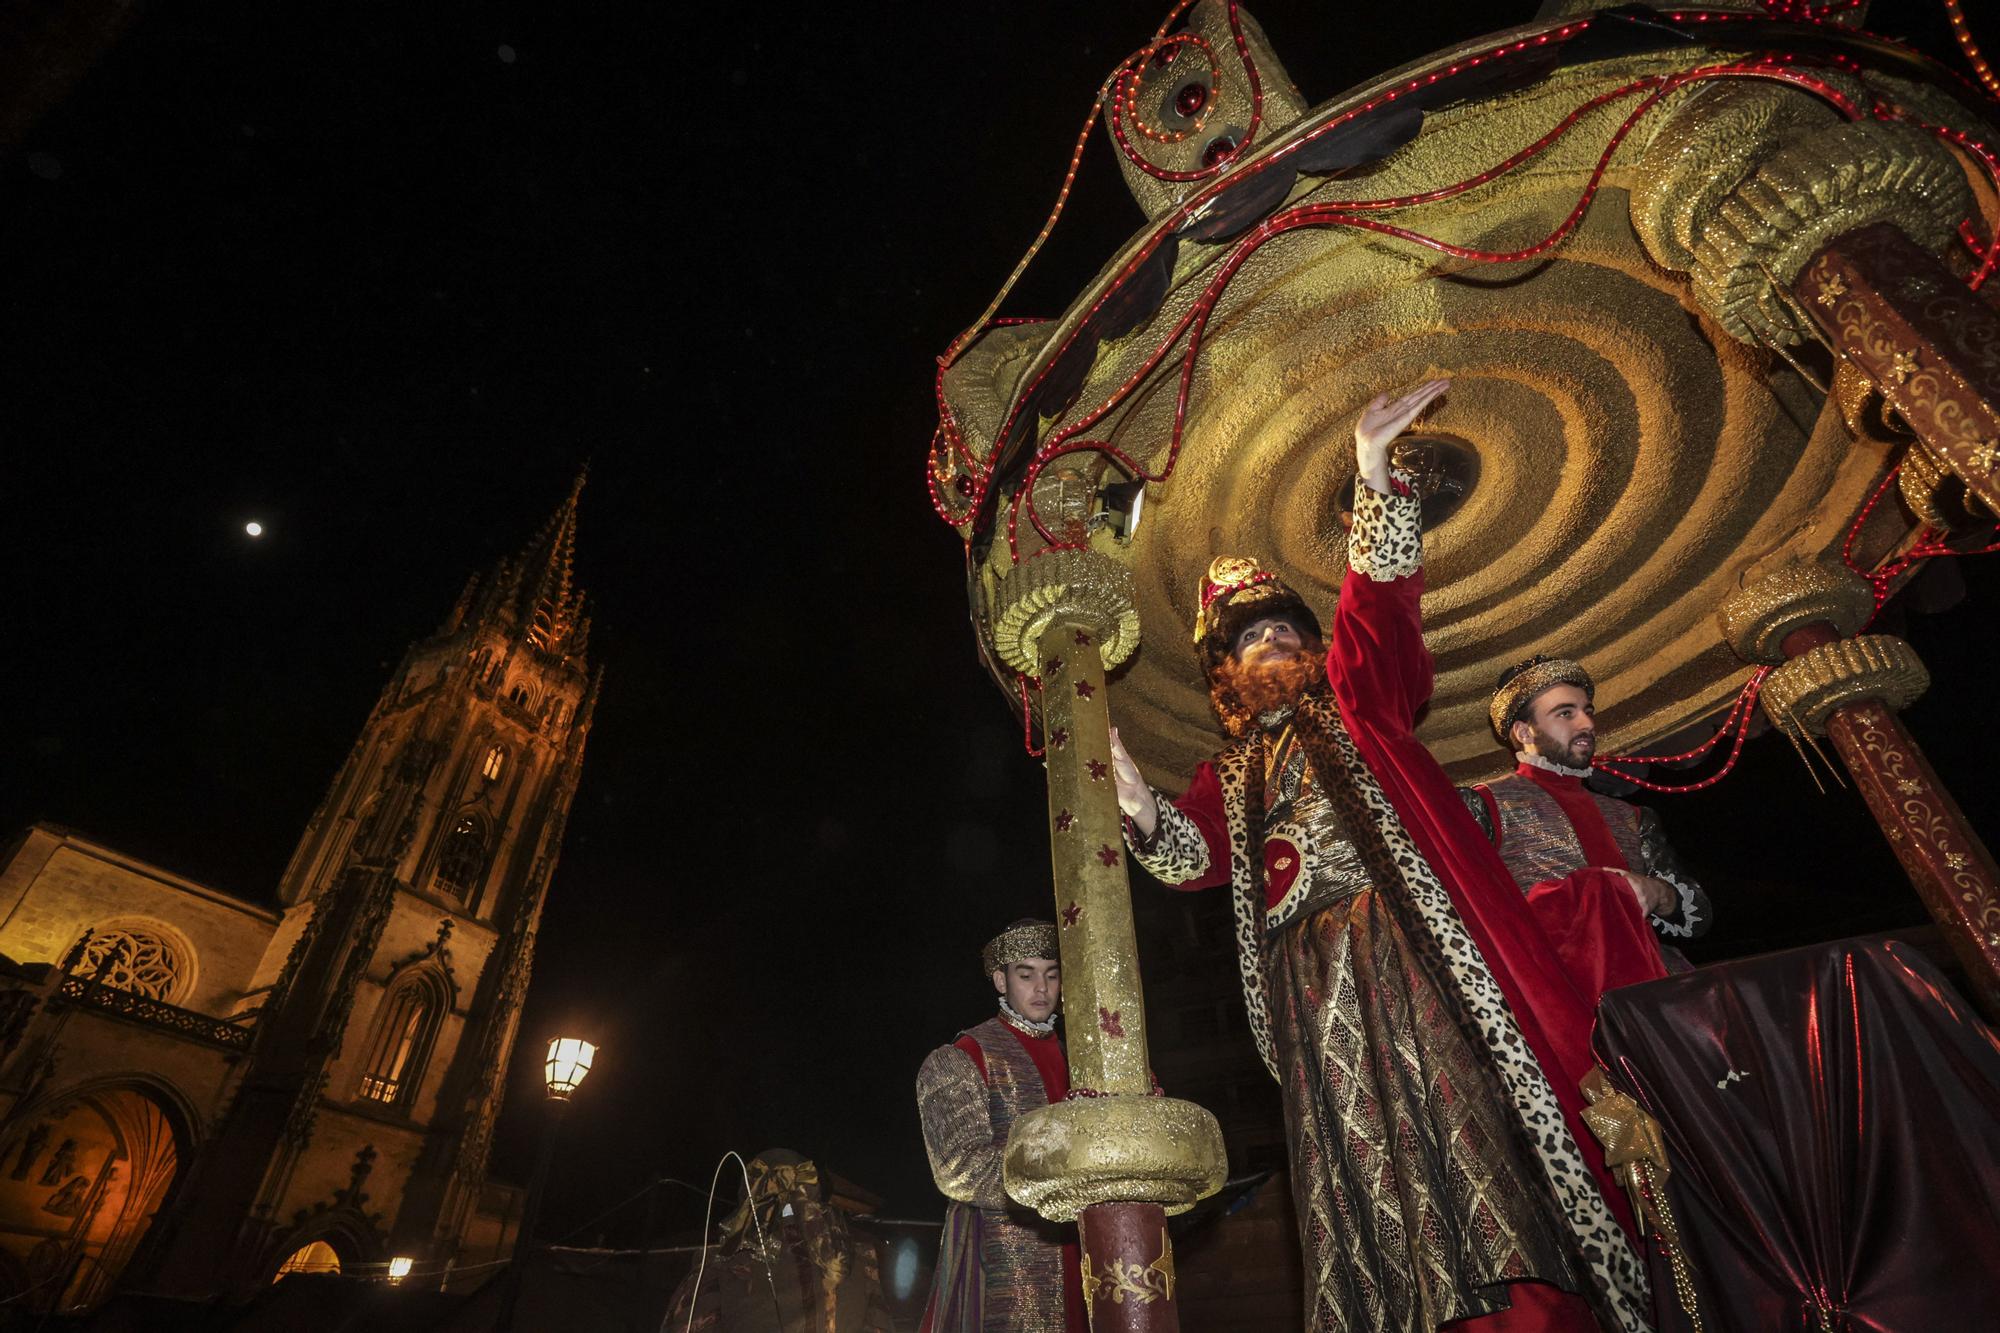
(1001, 1269)
(1429, 1041)
(1548, 825)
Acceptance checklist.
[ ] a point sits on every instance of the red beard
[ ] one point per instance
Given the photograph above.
(1241, 692)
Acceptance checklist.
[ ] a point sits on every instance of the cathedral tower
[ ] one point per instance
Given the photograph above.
(388, 998)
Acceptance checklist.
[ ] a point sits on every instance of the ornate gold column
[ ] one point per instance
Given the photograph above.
(1114, 1158)
(1849, 689)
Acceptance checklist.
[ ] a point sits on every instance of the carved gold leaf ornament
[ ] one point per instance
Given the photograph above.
(1903, 364)
(1756, 618)
(1832, 290)
(1064, 1157)
(1813, 189)
(1056, 585)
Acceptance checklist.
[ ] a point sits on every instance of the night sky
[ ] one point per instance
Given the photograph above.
(383, 277)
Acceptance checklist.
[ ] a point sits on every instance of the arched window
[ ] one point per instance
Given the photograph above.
(462, 860)
(401, 1046)
(519, 694)
(318, 1257)
(495, 764)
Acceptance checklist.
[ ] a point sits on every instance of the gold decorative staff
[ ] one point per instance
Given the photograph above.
(1115, 1158)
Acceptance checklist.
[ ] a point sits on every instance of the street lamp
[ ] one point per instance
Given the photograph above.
(400, 1266)
(567, 1065)
(564, 1068)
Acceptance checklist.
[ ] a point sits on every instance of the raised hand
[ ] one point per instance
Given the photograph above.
(1135, 798)
(1381, 422)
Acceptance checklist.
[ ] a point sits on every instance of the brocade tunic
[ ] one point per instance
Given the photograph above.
(1001, 1269)
(1528, 816)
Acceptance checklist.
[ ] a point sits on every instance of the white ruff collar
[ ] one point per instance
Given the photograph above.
(1550, 765)
(1028, 1025)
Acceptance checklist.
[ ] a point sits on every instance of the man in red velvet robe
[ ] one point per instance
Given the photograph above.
(1581, 857)
(1427, 1037)
(1000, 1269)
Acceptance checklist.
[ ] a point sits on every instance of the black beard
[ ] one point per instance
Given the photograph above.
(1545, 745)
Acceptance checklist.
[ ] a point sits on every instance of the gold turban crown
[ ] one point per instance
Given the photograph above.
(1519, 685)
(1236, 591)
(1024, 939)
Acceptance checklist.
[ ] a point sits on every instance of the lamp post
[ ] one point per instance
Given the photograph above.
(564, 1068)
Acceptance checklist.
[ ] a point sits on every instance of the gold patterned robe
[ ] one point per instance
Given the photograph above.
(1431, 1161)
(1001, 1269)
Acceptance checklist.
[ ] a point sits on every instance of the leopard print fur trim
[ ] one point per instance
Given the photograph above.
(1386, 542)
(1176, 853)
(1614, 1265)
(1240, 772)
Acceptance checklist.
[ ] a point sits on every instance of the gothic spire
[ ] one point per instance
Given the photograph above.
(536, 588)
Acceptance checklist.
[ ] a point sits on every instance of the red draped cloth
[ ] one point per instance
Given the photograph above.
(1833, 1118)
(1380, 671)
(1598, 929)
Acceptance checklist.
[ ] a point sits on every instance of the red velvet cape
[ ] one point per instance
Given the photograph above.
(1380, 671)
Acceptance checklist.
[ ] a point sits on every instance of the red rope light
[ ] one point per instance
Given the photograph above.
(986, 320)
(1125, 95)
(1028, 719)
(1344, 213)
(1129, 75)
(1877, 580)
(1739, 719)
(1927, 546)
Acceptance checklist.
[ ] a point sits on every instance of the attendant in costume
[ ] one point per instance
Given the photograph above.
(1574, 852)
(1000, 1267)
(1428, 1042)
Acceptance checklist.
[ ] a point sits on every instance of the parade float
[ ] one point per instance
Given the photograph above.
(1712, 288)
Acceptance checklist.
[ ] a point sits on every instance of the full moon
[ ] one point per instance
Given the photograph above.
(254, 528)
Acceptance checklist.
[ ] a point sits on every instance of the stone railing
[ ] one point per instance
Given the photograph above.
(153, 1013)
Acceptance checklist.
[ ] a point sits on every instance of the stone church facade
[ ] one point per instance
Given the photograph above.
(196, 1091)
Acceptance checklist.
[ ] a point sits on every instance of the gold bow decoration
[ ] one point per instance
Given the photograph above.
(1633, 1146)
(771, 1185)
(1636, 1151)
(820, 1234)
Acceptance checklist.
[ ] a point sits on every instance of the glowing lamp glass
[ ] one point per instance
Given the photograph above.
(567, 1063)
(400, 1266)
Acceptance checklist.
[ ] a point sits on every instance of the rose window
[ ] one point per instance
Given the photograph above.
(130, 960)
